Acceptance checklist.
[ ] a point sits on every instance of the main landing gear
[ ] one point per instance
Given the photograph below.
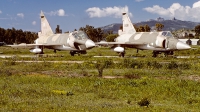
(166, 53)
(72, 53)
(121, 54)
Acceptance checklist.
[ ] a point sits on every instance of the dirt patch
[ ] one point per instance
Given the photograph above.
(191, 77)
(112, 77)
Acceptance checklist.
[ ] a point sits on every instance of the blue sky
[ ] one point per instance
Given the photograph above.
(73, 14)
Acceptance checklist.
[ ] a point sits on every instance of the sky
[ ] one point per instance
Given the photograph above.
(73, 14)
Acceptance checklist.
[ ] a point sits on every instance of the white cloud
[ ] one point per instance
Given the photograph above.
(0, 11)
(20, 15)
(108, 11)
(139, 0)
(157, 10)
(178, 11)
(196, 4)
(34, 23)
(59, 12)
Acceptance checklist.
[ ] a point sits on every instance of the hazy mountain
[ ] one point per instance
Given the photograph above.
(169, 25)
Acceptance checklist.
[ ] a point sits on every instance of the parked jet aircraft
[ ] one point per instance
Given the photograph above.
(159, 42)
(76, 42)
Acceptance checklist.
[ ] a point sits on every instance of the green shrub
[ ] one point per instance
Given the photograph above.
(132, 76)
(153, 64)
(172, 65)
(192, 101)
(100, 65)
(184, 66)
(108, 63)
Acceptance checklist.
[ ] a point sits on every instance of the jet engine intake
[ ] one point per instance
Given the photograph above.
(160, 42)
(36, 50)
(119, 49)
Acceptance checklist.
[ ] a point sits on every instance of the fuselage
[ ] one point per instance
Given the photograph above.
(77, 40)
(157, 41)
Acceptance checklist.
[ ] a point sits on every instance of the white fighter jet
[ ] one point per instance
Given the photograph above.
(76, 42)
(158, 42)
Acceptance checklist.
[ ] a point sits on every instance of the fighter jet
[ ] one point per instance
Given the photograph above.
(158, 42)
(76, 42)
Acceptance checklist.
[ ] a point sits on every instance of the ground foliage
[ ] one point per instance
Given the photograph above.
(137, 82)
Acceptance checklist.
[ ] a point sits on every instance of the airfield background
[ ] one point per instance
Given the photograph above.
(191, 41)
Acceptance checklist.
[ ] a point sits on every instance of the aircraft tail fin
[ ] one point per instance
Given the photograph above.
(45, 27)
(127, 24)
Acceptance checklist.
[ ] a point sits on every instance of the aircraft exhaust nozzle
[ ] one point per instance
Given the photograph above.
(182, 46)
(89, 44)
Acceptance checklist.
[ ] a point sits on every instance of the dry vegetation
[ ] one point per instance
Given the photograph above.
(99, 84)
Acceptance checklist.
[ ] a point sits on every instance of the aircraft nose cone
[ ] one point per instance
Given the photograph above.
(182, 46)
(89, 44)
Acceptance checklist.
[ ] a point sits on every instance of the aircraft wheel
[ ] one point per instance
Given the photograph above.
(72, 53)
(54, 50)
(166, 54)
(155, 54)
(122, 54)
(171, 53)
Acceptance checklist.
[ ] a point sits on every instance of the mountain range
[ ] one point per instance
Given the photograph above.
(169, 25)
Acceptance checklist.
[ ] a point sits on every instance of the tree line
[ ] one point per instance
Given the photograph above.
(10, 36)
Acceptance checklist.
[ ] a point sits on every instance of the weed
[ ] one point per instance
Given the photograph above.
(132, 76)
(100, 65)
(144, 102)
(172, 65)
(128, 101)
(192, 101)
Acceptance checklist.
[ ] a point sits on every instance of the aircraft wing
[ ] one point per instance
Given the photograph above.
(31, 45)
(121, 43)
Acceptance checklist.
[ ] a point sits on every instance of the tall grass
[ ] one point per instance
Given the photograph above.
(167, 84)
(43, 93)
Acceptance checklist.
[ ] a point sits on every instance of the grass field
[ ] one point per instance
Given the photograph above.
(126, 84)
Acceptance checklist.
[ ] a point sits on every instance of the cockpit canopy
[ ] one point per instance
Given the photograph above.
(80, 35)
(167, 34)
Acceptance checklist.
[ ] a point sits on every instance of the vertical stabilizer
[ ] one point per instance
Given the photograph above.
(45, 27)
(127, 24)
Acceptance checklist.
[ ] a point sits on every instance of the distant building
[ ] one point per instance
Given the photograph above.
(192, 41)
(160, 19)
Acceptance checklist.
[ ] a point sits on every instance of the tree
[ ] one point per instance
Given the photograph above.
(111, 37)
(190, 36)
(136, 28)
(197, 30)
(147, 28)
(95, 34)
(159, 26)
(2, 32)
(11, 36)
(142, 28)
(121, 28)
